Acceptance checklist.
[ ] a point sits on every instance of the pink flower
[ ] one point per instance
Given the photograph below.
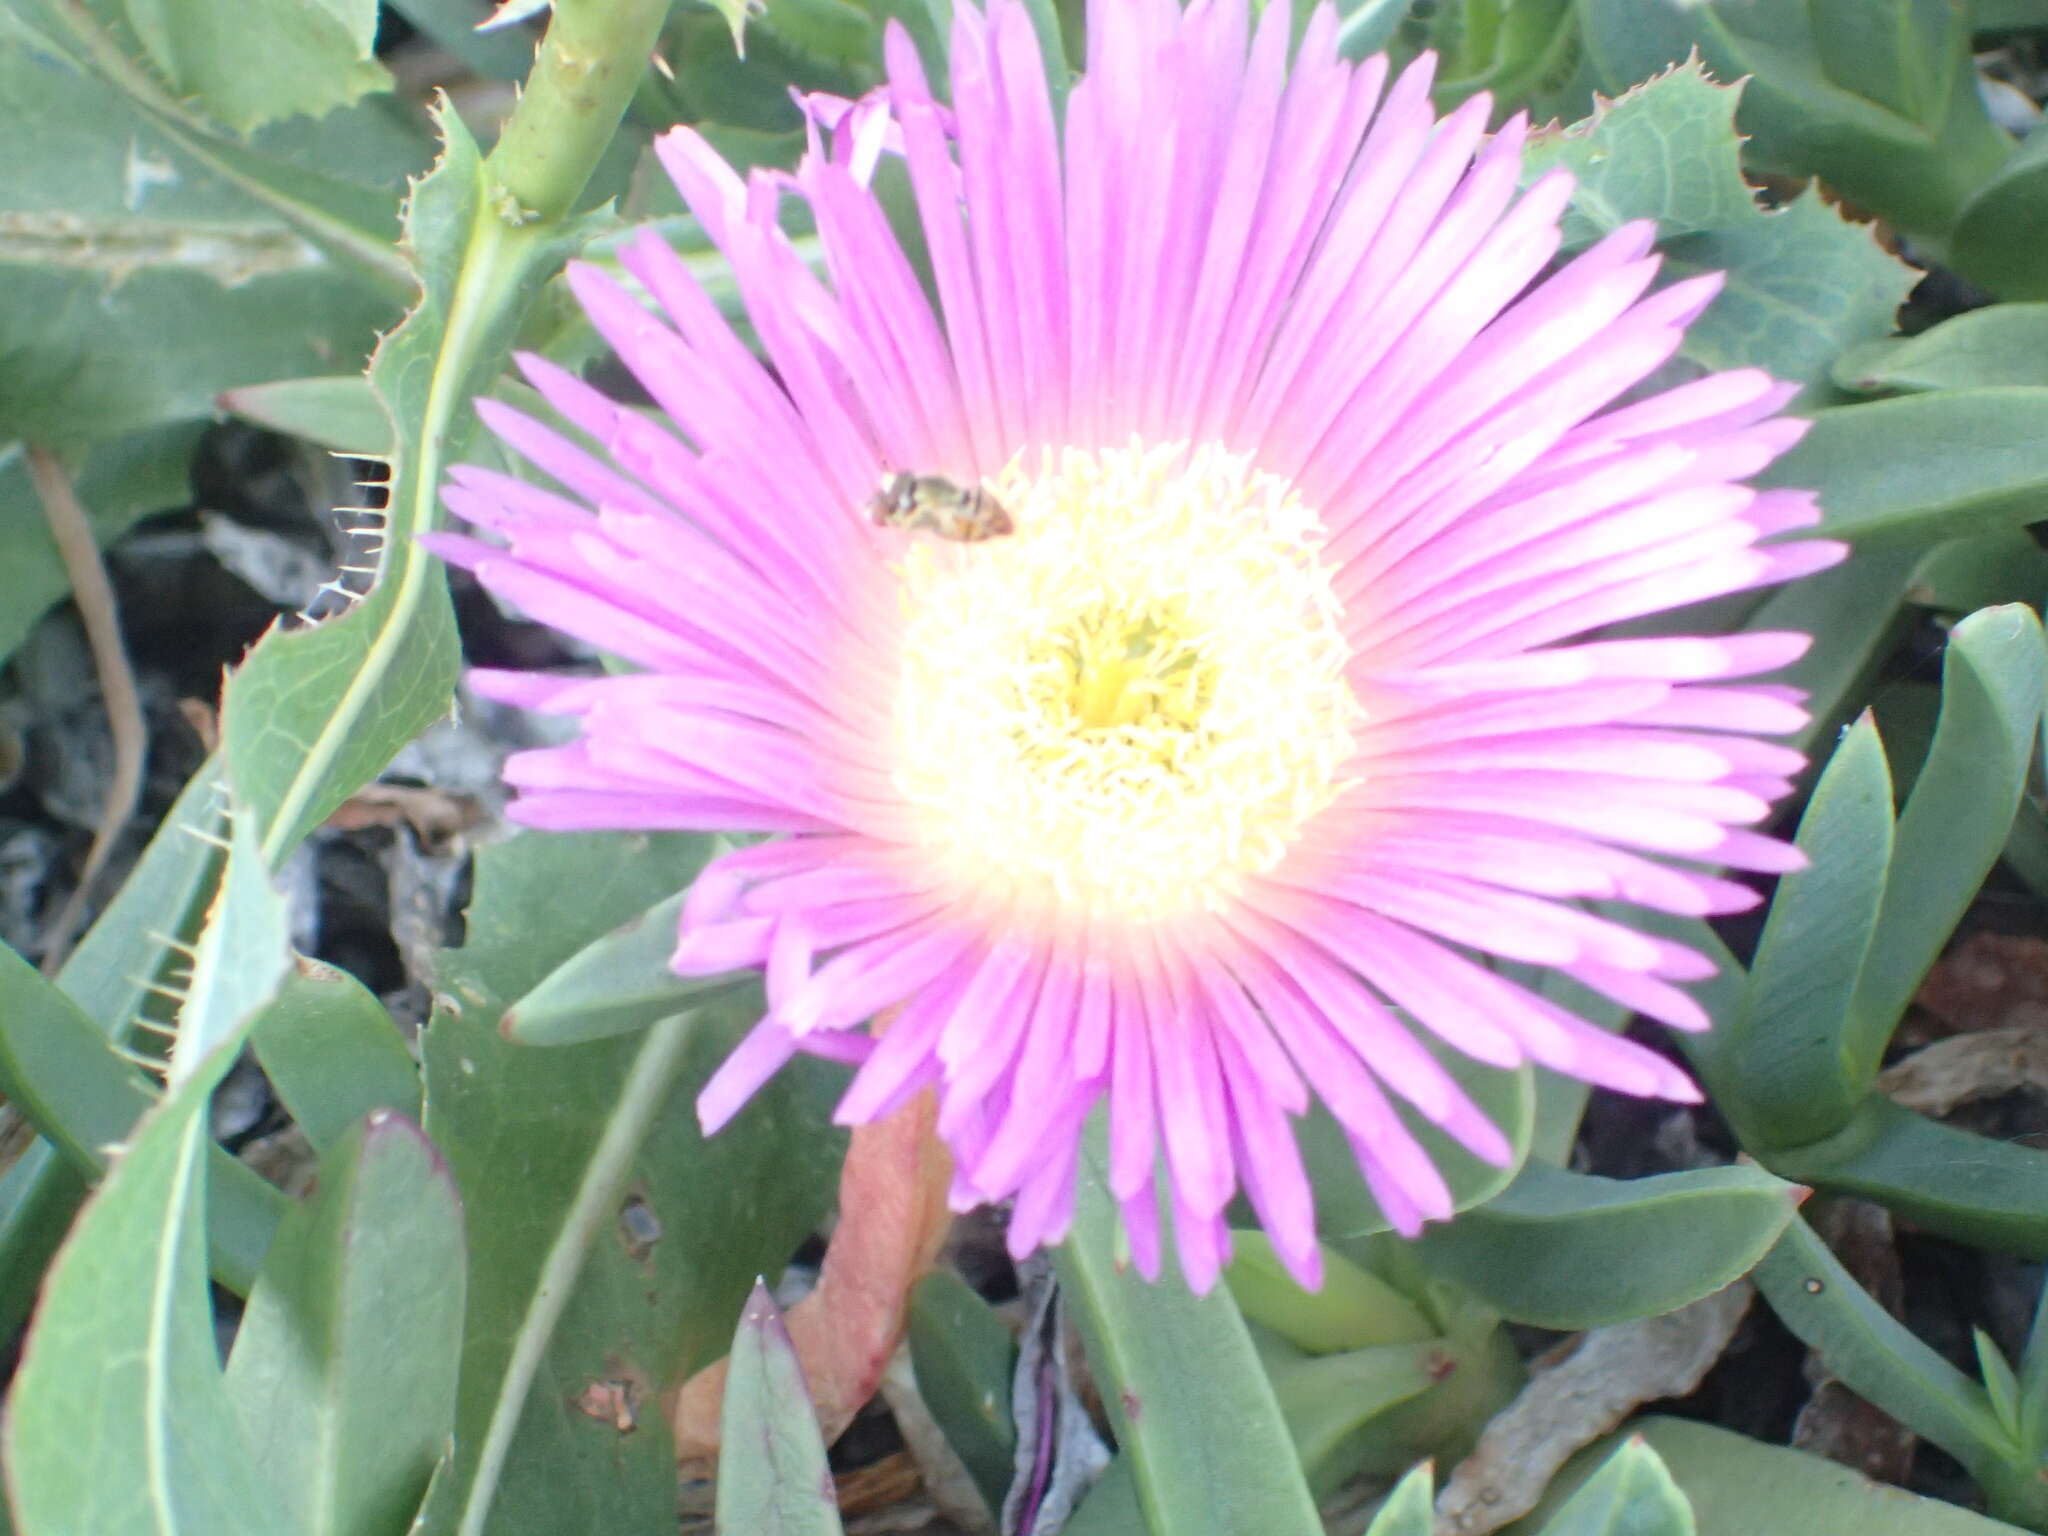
(1229, 769)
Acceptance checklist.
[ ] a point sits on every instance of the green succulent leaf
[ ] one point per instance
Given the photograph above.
(2000, 1385)
(1738, 1486)
(1999, 237)
(618, 1257)
(1328, 1400)
(1792, 1040)
(1974, 1189)
(60, 1070)
(1875, 97)
(1802, 283)
(1872, 1352)
(146, 1443)
(254, 64)
(2000, 344)
(1985, 572)
(772, 1477)
(313, 713)
(1632, 1495)
(344, 1366)
(340, 412)
(1569, 1251)
(333, 1054)
(1354, 1308)
(964, 1359)
(241, 959)
(120, 225)
(620, 983)
(1927, 467)
(1994, 677)
(1196, 1418)
(82, 1099)
(1407, 1510)
(2009, 15)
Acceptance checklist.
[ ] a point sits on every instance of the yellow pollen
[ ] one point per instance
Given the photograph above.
(1135, 699)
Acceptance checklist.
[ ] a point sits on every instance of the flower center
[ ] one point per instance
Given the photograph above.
(1133, 700)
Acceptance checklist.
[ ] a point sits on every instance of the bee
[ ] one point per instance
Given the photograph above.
(935, 505)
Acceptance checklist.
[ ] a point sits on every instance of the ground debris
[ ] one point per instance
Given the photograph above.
(1577, 1393)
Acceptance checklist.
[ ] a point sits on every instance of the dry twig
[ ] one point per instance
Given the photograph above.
(94, 594)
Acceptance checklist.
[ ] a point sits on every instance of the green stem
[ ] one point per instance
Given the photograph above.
(592, 57)
(581, 81)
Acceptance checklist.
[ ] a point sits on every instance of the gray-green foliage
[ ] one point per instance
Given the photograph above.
(520, 1242)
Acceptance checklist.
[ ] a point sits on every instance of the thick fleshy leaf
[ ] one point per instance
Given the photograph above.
(1872, 1352)
(333, 1054)
(39, 1195)
(120, 227)
(1510, 51)
(1739, 1486)
(314, 713)
(1875, 97)
(341, 413)
(1567, 1250)
(964, 1359)
(241, 959)
(1632, 1495)
(146, 1443)
(1802, 282)
(344, 1366)
(1974, 1189)
(254, 64)
(1193, 1412)
(1985, 572)
(1999, 236)
(615, 1262)
(1791, 1041)
(1957, 820)
(1923, 468)
(1406, 1511)
(60, 1069)
(619, 983)
(1369, 25)
(2001, 344)
(109, 976)
(1328, 1400)
(773, 1478)
(1354, 1309)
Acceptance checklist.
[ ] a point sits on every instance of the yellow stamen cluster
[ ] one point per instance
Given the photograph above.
(1135, 699)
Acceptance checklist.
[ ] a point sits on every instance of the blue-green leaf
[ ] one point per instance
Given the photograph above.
(1568, 1250)
(344, 1366)
(2000, 344)
(1633, 1495)
(1790, 1044)
(1959, 815)
(1193, 1411)
(333, 1054)
(772, 1477)
(1872, 1352)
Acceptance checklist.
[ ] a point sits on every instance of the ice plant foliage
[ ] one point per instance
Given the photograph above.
(1233, 766)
